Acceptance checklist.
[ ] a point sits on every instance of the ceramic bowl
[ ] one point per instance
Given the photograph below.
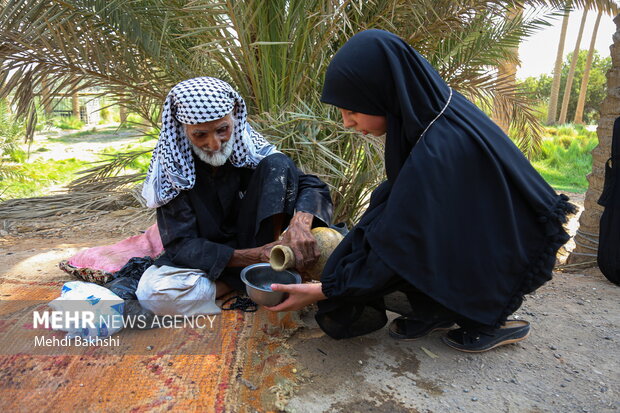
(258, 279)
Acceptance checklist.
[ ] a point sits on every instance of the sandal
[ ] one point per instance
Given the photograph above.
(484, 339)
(405, 328)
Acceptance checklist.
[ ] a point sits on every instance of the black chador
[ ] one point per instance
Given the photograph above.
(463, 219)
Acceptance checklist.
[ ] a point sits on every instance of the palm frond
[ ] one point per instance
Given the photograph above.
(76, 202)
(609, 7)
(108, 172)
(274, 52)
(351, 164)
(106, 46)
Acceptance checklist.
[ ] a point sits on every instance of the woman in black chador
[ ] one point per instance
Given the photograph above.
(463, 226)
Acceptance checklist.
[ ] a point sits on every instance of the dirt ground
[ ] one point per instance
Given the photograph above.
(64, 144)
(569, 364)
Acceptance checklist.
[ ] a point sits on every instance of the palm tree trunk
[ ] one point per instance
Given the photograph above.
(586, 239)
(46, 99)
(557, 70)
(571, 71)
(586, 73)
(123, 114)
(75, 103)
(507, 70)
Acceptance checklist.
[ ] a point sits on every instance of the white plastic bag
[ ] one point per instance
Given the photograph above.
(96, 311)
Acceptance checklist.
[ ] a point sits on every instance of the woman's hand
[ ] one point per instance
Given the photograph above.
(299, 238)
(299, 296)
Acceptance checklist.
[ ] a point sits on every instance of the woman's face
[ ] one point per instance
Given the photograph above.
(361, 122)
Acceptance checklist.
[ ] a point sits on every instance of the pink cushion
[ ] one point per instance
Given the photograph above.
(111, 258)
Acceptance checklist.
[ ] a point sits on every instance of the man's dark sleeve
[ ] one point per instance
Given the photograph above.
(184, 248)
(313, 197)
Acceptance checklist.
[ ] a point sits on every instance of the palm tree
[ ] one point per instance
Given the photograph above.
(586, 238)
(507, 75)
(75, 104)
(11, 130)
(557, 70)
(586, 73)
(273, 51)
(45, 97)
(609, 8)
(571, 70)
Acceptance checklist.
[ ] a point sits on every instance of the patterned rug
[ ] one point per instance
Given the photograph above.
(246, 365)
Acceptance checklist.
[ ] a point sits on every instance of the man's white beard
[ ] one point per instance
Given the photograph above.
(218, 158)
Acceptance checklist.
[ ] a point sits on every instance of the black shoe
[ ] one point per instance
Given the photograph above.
(405, 328)
(484, 339)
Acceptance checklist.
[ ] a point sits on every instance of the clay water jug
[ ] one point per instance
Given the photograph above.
(327, 239)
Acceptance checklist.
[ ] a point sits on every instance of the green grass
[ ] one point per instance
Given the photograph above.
(76, 136)
(140, 164)
(39, 175)
(565, 157)
(30, 179)
(70, 122)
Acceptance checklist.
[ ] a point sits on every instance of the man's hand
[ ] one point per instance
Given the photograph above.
(243, 258)
(301, 240)
(299, 296)
(265, 250)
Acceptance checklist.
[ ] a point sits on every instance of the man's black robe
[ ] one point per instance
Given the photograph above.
(231, 208)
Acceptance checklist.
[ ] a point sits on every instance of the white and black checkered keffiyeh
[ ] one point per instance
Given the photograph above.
(193, 101)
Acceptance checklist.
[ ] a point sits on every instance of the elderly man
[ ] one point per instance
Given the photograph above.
(223, 196)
